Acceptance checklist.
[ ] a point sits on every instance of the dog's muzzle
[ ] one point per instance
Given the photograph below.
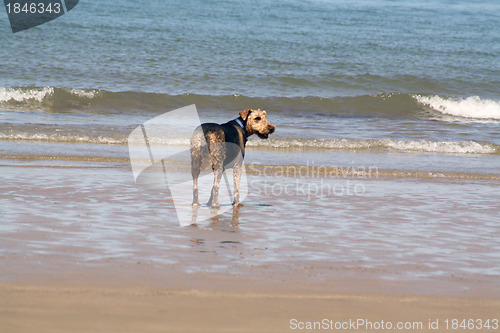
(270, 130)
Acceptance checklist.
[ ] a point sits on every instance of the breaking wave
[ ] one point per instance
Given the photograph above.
(472, 107)
(462, 147)
(392, 105)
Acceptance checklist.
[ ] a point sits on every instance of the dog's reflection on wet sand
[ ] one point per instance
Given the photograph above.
(216, 218)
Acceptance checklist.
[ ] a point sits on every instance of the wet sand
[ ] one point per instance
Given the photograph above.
(131, 309)
(85, 249)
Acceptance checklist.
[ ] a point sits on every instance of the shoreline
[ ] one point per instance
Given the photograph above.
(304, 279)
(266, 170)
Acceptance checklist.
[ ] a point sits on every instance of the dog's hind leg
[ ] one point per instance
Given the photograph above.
(217, 152)
(214, 197)
(195, 172)
(196, 161)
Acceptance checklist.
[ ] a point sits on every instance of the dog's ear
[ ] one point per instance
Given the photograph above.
(244, 114)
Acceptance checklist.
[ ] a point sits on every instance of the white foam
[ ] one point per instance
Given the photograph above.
(161, 140)
(84, 93)
(24, 94)
(471, 107)
(463, 147)
(451, 147)
(447, 147)
(63, 138)
(311, 143)
(92, 139)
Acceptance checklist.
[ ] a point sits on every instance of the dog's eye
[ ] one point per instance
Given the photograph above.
(257, 118)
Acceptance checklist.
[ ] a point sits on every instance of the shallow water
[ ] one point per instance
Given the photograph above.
(91, 214)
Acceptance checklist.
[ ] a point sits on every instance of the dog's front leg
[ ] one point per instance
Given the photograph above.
(237, 170)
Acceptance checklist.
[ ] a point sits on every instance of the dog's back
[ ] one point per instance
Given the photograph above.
(222, 147)
(213, 144)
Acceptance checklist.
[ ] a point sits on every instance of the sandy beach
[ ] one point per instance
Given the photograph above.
(132, 309)
(95, 252)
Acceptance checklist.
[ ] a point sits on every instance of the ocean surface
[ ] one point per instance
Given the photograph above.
(410, 89)
(380, 76)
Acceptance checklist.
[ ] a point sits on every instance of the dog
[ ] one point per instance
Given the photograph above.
(222, 146)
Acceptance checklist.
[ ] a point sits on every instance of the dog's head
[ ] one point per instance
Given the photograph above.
(256, 123)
